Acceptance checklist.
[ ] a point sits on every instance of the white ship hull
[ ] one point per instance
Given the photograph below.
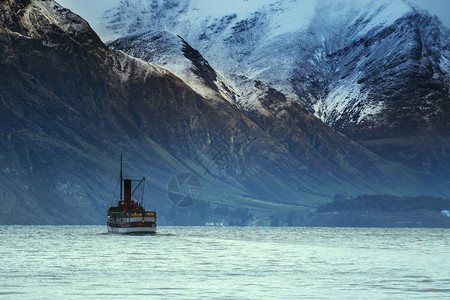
(125, 230)
(130, 223)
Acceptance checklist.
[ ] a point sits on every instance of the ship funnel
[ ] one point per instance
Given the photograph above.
(126, 194)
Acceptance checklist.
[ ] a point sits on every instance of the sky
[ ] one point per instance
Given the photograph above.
(88, 8)
(440, 8)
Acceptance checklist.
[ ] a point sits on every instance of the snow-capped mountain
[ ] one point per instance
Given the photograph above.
(377, 71)
(290, 45)
(174, 53)
(69, 105)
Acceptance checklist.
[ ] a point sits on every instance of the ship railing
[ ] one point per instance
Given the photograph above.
(135, 214)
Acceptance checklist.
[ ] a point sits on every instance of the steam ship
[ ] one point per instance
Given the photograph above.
(129, 216)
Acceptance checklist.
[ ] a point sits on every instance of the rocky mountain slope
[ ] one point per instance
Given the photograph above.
(377, 71)
(70, 106)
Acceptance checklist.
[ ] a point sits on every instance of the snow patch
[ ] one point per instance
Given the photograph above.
(128, 66)
(290, 16)
(346, 99)
(65, 19)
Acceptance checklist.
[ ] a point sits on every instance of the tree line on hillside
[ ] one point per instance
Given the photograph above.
(385, 203)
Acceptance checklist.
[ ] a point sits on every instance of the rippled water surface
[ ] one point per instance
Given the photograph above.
(84, 262)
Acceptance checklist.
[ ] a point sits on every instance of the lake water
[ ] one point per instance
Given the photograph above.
(85, 262)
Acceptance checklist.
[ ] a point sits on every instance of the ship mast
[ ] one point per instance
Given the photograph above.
(120, 177)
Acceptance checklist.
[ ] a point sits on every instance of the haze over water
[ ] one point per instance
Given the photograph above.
(84, 262)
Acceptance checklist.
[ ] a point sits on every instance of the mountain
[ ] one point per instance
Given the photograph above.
(64, 116)
(377, 71)
(70, 105)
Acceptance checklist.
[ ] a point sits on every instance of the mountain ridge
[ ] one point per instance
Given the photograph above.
(375, 71)
(71, 105)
